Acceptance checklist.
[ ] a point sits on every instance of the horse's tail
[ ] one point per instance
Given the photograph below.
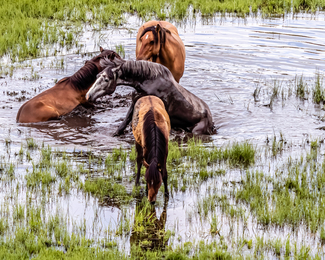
(155, 143)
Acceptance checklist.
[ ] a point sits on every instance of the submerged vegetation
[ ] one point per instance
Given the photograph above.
(303, 88)
(41, 28)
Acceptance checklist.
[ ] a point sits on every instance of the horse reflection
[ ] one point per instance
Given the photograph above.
(149, 231)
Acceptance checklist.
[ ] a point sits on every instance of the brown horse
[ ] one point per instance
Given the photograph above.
(158, 41)
(151, 127)
(68, 93)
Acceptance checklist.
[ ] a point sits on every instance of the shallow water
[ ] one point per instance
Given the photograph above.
(227, 58)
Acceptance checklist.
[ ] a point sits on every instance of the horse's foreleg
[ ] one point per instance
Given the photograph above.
(165, 184)
(128, 118)
(139, 162)
(126, 121)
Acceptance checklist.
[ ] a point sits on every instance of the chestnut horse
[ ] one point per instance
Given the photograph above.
(159, 42)
(151, 127)
(185, 110)
(68, 93)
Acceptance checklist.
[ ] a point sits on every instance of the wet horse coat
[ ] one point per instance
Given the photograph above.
(158, 41)
(185, 110)
(68, 93)
(151, 127)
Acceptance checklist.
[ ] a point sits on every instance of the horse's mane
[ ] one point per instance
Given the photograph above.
(162, 33)
(155, 143)
(141, 69)
(86, 75)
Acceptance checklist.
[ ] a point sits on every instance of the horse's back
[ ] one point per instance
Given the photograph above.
(164, 24)
(141, 108)
(50, 104)
(173, 56)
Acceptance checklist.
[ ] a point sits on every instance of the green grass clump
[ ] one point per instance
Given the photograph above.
(62, 169)
(318, 90)
(120, 50)
(31, 144)
(302, 91)
(240, 154)
(39, 178)
(104, 188)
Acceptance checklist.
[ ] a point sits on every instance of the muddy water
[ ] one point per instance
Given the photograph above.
(227, 58)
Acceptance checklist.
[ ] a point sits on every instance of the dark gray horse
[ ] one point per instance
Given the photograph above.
(185, 110)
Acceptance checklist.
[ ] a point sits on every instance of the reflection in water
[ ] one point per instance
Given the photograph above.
(149, 231)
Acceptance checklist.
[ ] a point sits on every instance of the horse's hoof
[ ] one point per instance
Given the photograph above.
(117, 133)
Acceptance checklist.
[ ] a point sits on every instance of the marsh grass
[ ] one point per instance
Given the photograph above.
(303, 88)
(293, 196)
(120, 50)
(43, 28)
(296, 196)
(318, 90)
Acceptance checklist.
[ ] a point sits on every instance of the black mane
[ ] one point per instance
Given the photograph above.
(162, 33)
(150, 29)
(86, 75)
(155, 143)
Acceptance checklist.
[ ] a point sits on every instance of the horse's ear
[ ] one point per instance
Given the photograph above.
(101, 49)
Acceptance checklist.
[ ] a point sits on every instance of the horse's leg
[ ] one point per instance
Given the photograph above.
(128, 118)
(139, 162)
(165, 184)
(126, 121)
(201, 127)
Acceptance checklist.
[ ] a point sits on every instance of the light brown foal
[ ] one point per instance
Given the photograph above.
(151, 127)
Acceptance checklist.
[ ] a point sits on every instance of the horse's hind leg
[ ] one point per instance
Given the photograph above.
(139, 162)
(201, 127)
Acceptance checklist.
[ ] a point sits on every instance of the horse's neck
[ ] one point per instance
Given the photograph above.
(84, 77)
(132, 73)
(129, 82)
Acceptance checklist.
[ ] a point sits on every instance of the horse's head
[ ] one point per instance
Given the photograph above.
(104, 85)
(154, 179)
(100, 60)
(151, 43)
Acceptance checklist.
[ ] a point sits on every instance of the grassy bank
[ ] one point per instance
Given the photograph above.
(30, 28)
